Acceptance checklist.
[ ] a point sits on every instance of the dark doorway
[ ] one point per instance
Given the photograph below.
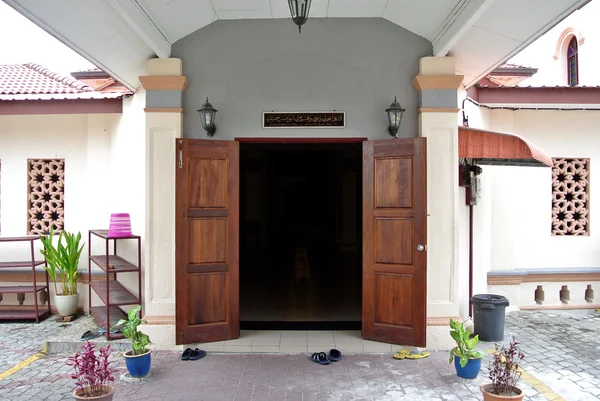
(300, 236)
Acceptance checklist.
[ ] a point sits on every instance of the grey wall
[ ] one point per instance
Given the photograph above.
(246, 67)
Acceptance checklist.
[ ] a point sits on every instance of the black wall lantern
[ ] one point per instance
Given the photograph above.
(207, 116)
(299, 10)
(394, 113)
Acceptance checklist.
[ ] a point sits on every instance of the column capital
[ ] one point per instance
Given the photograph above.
(422, 82)
(164, 82)
(164, 85)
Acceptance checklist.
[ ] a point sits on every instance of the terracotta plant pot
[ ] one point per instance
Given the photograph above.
(66, 305)
(110, 390)
(487, 396)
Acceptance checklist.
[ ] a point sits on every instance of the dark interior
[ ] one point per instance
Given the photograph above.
(300, 236)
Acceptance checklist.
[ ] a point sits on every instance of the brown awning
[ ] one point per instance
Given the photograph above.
(489, 147)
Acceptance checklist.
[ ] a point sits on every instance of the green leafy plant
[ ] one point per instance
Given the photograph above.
(63, 259)
(139, 340)
(465, 345)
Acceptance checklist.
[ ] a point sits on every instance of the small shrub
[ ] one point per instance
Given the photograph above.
(505, 369)
(465, 345)
(92, 371)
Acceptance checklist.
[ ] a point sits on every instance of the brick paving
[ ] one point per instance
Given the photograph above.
(563, 351)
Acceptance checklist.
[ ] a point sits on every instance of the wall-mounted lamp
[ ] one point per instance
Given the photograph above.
(394, 113)
(207, 116)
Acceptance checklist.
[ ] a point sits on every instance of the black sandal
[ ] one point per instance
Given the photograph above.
(320, 357)
(335, 355)
(197, 354)
(186, 354)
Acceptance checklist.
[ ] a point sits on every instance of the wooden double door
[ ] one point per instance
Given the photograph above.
(394, 235)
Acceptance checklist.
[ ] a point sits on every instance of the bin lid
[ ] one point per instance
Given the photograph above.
(493, 299)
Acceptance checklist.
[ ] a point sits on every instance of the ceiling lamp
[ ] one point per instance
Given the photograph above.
(299, 10)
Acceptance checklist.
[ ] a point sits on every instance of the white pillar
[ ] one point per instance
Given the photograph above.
(437, 84)
(164, 87)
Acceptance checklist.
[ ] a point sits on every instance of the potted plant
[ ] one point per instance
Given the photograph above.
(63, 259)
(138, 359)
(93, 372)
(467, 360)
(505, 372)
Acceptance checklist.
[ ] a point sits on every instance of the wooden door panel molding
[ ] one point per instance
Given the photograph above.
(210, 237)
(208, 183)
(394, 223)
(391, 305)
(396, 170)
(207, 241)
(402, 252)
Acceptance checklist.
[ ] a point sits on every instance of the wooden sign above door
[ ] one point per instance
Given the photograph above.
(307, 119)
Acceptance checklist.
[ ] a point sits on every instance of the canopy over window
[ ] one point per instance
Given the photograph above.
(489, 147)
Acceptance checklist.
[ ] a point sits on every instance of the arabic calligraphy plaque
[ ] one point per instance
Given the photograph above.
(316, 119)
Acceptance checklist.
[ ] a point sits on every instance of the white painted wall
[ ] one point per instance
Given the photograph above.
(82, 140)
(521, 196)
(104, 173)
(540, 54)
(513, 219)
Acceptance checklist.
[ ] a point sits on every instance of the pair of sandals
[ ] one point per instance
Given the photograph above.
(192, 354)
(89, 335)
(321, 357)
(405, 354)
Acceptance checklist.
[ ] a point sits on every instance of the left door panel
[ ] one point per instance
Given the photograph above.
(207, 240)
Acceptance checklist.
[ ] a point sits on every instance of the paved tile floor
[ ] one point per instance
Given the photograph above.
(562, 352)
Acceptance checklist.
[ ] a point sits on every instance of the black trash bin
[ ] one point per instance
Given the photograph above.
(488, 316)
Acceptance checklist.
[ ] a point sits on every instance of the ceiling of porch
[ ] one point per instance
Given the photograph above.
(120, 35)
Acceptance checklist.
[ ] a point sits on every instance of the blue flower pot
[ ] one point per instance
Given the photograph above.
(138, 365)
(471, 369)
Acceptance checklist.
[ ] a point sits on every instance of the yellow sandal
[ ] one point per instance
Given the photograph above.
(417, 355)
(401, 355)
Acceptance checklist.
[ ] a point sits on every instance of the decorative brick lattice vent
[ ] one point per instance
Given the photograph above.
(46, 188)
(570, 196)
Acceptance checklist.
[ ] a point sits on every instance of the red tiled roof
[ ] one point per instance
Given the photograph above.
(21, 79)
(483, 144)
(511, 65)
(33, 82)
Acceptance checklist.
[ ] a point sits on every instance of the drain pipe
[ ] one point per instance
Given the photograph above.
(470, 259)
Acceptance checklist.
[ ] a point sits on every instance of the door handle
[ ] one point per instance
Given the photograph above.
(421, 248)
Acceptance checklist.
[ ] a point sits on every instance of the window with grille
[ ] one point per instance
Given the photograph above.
(570, 197)
(46, 190)
(572, 63)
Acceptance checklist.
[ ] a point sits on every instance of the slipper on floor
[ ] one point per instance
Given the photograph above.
(88, 335)
(320, 357)
(417, 355)
(186, 354)
(401, 355)
(197, 354)
(335, 355)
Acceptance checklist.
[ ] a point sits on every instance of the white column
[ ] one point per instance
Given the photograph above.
(163, 126)
(438, 85)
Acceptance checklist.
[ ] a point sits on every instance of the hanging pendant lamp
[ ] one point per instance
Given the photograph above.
(299, 10)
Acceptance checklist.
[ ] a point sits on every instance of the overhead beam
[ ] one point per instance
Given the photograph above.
(137, 18)
(576, 5)
(51, 31)
(462, 18)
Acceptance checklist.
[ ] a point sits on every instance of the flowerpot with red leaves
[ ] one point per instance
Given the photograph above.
(106, 394)
(505, 372)
(93, 373)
